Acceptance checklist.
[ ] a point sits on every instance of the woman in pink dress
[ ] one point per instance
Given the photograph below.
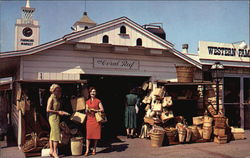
(93, 128)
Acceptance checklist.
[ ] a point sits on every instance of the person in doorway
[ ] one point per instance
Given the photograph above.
(3, 115)
(132, 100)
(53, 107)
(93, 128)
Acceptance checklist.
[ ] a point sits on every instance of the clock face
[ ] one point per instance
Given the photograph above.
(27, 32)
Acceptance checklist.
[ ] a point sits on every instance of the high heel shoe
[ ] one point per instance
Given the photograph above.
(55, 156)
(93, 152)
(51, 154)
(86, 154)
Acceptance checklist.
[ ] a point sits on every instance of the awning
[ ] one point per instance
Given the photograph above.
(52, 81)
(184, 83)
(6, 86)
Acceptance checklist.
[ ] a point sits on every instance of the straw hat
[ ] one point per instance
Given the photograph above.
(53, 87)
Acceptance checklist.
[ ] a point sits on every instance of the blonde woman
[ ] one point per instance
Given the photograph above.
(53, 107)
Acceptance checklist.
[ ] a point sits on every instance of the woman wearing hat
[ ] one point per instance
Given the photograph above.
(53, 107)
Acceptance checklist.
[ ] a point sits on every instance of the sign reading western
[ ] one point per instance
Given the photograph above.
(228, 51)
(223, 51)
(116, 63)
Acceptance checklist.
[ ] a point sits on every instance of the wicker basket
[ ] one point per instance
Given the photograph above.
(171, 134)
(76, 146)
(208, 121)
(184, 73)
(156, 139)
(220, 121)
(198, 120)
(207, 131)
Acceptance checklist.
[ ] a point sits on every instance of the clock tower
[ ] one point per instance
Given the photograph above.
(27, 30)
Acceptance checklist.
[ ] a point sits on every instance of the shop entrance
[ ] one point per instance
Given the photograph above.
(237, 101)
(111, 90)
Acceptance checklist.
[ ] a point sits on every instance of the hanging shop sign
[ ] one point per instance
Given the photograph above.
(109, 63)
(223, 51)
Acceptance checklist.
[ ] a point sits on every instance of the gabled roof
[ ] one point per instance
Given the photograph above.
(78, 34)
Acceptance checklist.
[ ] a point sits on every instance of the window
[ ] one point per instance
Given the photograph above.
(123, 29)
(139, 42)
(86, 27)
(105, 39)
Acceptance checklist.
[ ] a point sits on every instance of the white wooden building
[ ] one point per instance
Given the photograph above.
(119, 47)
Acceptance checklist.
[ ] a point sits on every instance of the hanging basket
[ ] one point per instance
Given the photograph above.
(184, 73)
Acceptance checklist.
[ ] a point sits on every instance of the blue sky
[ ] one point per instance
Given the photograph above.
(183, 21)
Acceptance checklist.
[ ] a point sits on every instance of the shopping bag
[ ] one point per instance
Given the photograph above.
(101, 117)
(78, 117)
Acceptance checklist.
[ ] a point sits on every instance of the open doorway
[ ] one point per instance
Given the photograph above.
(111, 90)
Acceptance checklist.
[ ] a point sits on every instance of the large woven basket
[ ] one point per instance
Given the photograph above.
(184, 73)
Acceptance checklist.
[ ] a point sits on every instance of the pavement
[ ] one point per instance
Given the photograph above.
(141, 148)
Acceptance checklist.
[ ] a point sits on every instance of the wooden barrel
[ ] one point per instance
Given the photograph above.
(182, 134)
(207, 131)
(207, 121)
(184, 73)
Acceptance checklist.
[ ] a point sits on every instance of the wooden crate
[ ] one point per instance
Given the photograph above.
(220, 139)
(238, 136)
(238, 133)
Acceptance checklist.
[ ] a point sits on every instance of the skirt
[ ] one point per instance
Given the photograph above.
(93, 128)
(54, 122)
(130, 117)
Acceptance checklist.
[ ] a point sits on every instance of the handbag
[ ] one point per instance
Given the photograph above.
(101, 117)
(78, 117)
(167, 101)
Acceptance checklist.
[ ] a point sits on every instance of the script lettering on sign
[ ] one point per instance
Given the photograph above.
(116, 63)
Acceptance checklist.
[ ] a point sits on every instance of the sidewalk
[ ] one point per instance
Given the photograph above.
(9, 148)
(141, 148)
